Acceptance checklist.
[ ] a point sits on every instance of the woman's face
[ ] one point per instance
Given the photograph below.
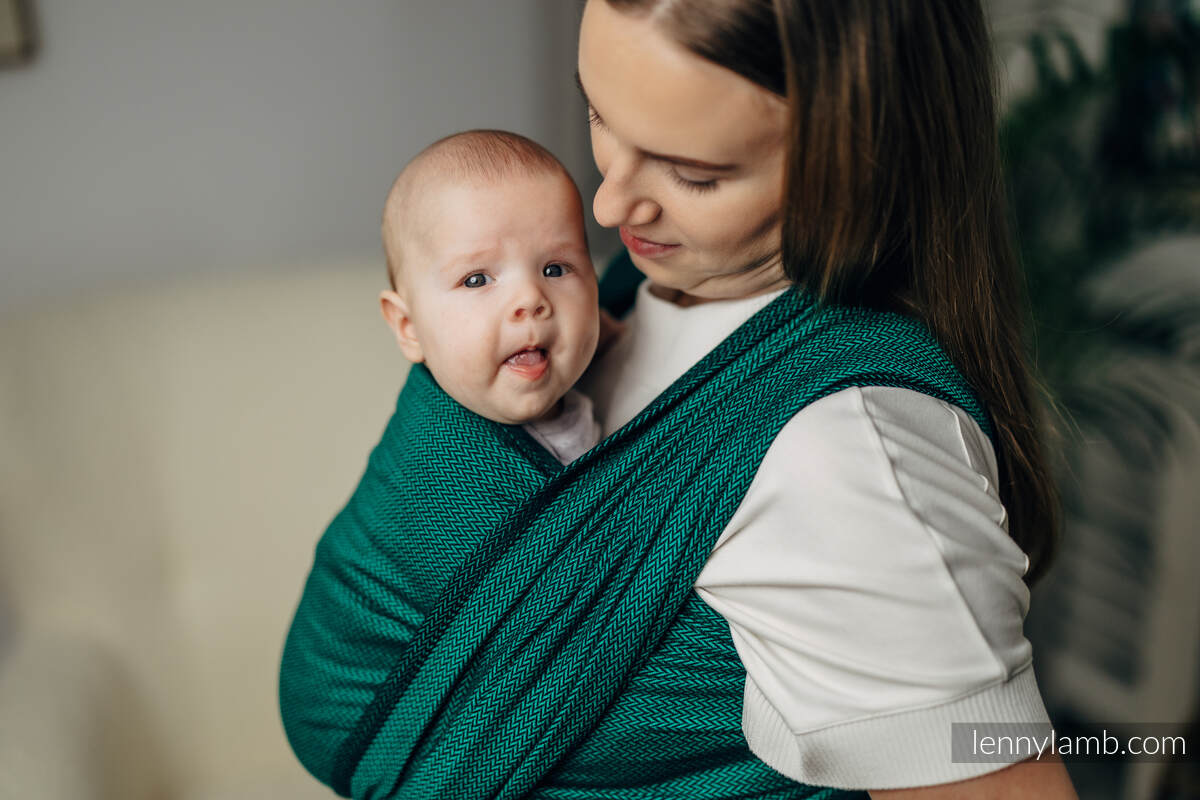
(692, 156)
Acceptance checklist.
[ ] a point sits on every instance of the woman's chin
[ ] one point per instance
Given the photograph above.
(666, 279)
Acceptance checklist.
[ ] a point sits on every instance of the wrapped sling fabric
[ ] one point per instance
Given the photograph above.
(559, 650)
(439, 479)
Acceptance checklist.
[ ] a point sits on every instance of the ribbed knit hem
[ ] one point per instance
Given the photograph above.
(890, 751)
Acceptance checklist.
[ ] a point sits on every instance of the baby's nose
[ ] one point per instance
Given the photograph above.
(536, 310)
(531, 305)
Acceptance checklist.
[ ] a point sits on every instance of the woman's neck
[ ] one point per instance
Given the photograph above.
(684, 300)
(677, 296)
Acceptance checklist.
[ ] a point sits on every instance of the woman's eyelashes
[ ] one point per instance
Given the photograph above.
(691, 185)
(594, 118)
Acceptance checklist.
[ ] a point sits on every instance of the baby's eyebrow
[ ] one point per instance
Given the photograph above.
(680, 160)
(460, 260)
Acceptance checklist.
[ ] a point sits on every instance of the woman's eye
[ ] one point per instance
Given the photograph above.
(554, 270)
(475, 281)
(694, 186)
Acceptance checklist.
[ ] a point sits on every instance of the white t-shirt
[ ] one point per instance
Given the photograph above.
(870, 585)
(572, 432)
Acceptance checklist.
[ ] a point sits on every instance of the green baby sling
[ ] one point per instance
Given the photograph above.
(483, 622)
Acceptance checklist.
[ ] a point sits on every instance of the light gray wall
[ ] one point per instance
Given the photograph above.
(160, 138)
(156, 138)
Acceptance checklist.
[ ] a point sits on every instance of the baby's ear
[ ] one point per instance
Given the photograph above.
(395, 314)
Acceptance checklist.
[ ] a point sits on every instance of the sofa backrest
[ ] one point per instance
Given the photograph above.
(169, 456)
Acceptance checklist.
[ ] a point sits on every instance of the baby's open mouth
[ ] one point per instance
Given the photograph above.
(530, 355)
(530, 362)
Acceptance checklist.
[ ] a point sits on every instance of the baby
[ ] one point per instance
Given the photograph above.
(494, 299)
(492, 287)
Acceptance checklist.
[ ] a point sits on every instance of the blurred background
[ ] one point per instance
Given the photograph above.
(193, 368)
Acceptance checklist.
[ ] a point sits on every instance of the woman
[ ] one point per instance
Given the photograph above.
(785, 571)
(880, 119)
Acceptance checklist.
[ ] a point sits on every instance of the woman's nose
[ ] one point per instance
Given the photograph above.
(618, 202)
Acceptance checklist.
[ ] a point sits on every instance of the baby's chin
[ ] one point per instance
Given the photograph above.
(514, 410)
(525, 413)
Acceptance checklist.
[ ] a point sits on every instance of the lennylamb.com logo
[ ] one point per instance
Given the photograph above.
(1009, 742)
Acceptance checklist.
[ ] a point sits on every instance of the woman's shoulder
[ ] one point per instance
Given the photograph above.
(915, 436)
(867, 454)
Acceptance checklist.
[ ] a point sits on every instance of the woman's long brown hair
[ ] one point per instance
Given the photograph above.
(894, 195)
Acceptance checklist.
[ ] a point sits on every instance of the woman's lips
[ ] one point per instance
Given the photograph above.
(645, 247)
(530, 364)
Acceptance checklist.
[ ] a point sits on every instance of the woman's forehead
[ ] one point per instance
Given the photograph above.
(660, 97)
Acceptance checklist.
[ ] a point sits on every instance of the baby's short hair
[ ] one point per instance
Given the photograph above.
(484, 156)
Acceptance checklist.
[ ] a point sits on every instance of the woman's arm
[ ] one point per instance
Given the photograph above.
(1045, 780)
(875, 597)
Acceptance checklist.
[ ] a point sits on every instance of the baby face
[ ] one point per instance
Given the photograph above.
(501, 294)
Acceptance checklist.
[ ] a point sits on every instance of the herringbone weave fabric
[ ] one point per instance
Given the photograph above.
(481, 622)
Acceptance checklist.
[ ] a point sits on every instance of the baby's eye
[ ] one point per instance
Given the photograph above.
(555, 270)
(475, 281)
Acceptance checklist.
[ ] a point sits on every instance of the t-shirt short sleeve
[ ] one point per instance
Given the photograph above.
(873, 593)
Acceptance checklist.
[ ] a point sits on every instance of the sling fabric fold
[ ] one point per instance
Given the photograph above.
(481, 622)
